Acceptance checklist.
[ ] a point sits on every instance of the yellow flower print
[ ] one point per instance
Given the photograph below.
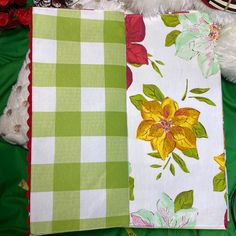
(219, 180)
(167, 126)
(221, 161)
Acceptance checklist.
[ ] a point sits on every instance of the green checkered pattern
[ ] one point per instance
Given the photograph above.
(79, 178)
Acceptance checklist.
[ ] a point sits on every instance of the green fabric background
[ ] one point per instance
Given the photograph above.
(13, 165)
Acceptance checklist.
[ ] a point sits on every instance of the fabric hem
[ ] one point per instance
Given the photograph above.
(29, 121)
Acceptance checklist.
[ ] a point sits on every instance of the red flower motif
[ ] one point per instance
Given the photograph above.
(129, 77)
(4, 19)
(135, 32)
(135, 28)
(11, 16)
(24, 16)
(3, 3)
(135, 53)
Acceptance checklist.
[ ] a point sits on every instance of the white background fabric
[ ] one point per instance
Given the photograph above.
(147, 190)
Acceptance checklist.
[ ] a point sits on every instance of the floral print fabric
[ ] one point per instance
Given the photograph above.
(198, 38)
(136, 53)
(175, 123)
(168, 214)
(167, 126)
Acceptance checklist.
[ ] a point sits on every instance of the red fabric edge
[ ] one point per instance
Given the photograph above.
(29, 121)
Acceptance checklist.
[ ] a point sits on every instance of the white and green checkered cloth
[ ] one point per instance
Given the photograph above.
(79, 176)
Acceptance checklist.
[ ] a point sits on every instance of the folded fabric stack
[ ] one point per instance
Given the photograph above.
(101, 156)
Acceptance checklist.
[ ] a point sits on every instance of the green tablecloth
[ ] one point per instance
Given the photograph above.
(13, 164)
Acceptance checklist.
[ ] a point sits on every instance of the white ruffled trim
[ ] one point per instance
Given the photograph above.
(13, 122)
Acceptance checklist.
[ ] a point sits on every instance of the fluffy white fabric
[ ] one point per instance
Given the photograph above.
(101, 4)
(226, 50)
(153, 7)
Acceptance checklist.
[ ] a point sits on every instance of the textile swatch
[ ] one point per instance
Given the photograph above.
(79, 125)
(175, 123)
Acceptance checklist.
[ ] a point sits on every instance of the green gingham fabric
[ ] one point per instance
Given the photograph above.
(79, 177)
